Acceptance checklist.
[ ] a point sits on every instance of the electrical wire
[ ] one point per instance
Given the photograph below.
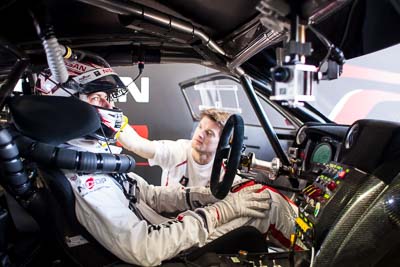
(312, 257)
(106, 140)
(325, 41)
(140, 67)
(140, 73)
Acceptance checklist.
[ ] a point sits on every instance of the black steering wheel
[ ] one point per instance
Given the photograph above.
(230, 149)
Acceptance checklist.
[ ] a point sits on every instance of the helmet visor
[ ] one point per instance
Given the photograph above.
(101, 80)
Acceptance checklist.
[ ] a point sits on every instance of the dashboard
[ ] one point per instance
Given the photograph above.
(353, 180)
(317, 144)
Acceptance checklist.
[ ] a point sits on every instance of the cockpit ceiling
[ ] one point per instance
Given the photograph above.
(230, 29)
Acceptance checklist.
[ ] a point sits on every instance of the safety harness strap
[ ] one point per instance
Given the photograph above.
(132, 194)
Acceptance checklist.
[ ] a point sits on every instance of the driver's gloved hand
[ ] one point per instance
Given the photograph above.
(248, 202)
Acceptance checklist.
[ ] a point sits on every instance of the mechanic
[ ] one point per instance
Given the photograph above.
(122, 211)
(185, 162)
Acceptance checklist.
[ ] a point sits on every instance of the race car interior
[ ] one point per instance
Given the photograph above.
(344, 178)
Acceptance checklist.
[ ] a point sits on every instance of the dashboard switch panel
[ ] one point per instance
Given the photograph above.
(330, 186)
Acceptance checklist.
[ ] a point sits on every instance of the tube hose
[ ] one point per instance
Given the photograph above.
(65, 158)
(45, 31)
(13, 174)
(55, 60)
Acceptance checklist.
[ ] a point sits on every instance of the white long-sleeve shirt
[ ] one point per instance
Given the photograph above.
(176, 160)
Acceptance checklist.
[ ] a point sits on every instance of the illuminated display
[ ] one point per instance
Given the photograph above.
(322, 153)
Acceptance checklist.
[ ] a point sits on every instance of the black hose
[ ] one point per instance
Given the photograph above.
(15, 180)
(13, 175)
(64, 158)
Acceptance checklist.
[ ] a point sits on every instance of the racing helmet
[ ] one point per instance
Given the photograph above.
(88, 76)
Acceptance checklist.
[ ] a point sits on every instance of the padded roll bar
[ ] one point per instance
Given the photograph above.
(64, 158)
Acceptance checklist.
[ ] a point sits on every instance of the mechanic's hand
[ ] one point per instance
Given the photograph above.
(247, 202)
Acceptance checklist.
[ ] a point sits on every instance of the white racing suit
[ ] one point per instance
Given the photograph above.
(141, 236)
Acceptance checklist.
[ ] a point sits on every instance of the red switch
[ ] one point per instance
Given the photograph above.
(342, 174)
(332, 185)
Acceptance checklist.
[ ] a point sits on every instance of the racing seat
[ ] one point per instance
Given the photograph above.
(71, 237)
(57, 219)
(39, 121)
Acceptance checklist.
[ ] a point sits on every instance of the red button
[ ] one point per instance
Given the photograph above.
(342, 174)
(332, 186)
(316, 193)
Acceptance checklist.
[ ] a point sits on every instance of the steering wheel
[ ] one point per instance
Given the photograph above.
(230, 149)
